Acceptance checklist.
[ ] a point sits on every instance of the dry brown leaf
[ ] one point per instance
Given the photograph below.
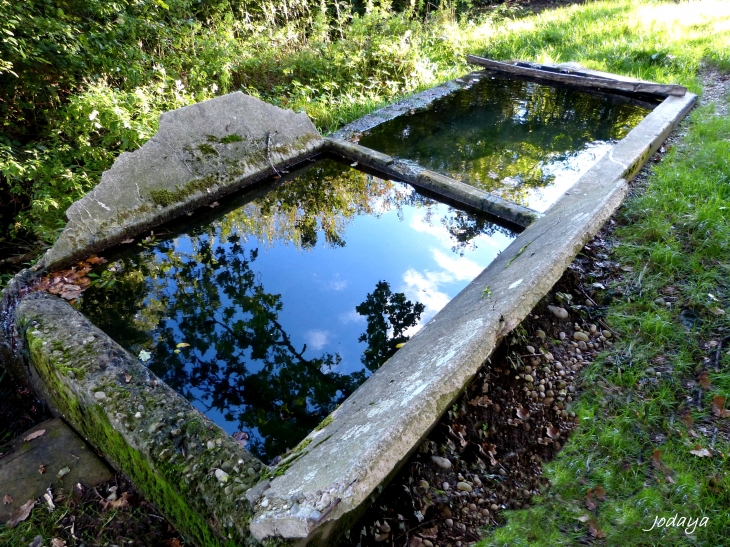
(34, 435)
(7, 499)
(584, 518)
(41, 469)
(20, 514)
(58, 542)
(718, 407)
(174, 542)
(117, 504)
(600, 492)
(96, 260)
(522, 413)
(130, 240)
(594, 530)
(701, 452)
(687, 419)
(127, 377)
(591, 500)
(704, 380)
(552, 431)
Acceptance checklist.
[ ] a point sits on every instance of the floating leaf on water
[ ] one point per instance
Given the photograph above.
(34, 435)
(399, 346)
(130, 240)
(183, 345)
(176, 351)
(144, 356)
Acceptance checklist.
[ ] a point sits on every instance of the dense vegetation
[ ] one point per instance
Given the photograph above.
(83, 80)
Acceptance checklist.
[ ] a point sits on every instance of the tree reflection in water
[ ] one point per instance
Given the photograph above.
(197, 303)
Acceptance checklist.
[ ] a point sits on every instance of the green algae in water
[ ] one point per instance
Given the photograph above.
(269, 316)
(524, 141)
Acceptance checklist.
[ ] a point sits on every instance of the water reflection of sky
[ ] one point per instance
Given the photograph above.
(222, 287)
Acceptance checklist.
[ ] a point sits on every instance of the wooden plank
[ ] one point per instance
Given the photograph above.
(580, 80)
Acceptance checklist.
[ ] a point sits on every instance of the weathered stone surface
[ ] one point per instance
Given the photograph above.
(376, 429)
(65, 457)
(180, 460)
(199, 153)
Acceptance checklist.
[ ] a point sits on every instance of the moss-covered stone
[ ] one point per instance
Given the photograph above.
(170, 450)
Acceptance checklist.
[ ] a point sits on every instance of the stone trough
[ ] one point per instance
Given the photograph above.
(209, 486)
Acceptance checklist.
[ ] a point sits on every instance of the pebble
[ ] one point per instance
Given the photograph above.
(221, 475)
(529, 378)
(100, 395)
(423, 484)
(582, 336)
(450, 523)
(541, 334)
(561, 336)
(560, 313)
(445, 486)
(443, 463)
(530, 349)
(477, 481)
(382, 537)
(606, 333)
(464, 486)
(582, 345)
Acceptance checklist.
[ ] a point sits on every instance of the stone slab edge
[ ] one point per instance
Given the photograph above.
(194, 472)
(374, 431)
(436, 183)
(199, 154)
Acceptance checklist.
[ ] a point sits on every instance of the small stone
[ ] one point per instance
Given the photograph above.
(443, 463)
(100, 395)
(494, 507)
(423, 484)
(228, 490)
(210, 445)
(450, 523)
(427, 543)
(265, 503)
(561, 336)
(477, 481)
(138, 415)
(385, 527)
(582, 346)
(547, 401)
(580, 335)
(606, 333)
(464, 486)
(381, 537)
(541, 334)
(593, 329)
(445, 486)
(175, 432)
(560, 313)
(529, 378)
(221, 475)
(530, 349)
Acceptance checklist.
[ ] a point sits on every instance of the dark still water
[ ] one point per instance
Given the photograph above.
(270, 315)
(521, 140)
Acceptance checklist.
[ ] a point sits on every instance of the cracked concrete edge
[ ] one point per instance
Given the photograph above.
(436, 183)
(199, 154)
(194, 472)
(375, 430)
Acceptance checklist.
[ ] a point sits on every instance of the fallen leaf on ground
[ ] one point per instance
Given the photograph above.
(96, 260)
(717, 311)
(600, 492)
(41, 469)
(594, 530)
(584, 518)
(34, 435)
(174, 542)
(701, 452)
(127, 377)
(718, 407)
(20, 514)
(58, 542)
(687, 419)
(130, 240)
(63, 472)
(627, 268)
(704, 380)
(117, 504)
(7, 499)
